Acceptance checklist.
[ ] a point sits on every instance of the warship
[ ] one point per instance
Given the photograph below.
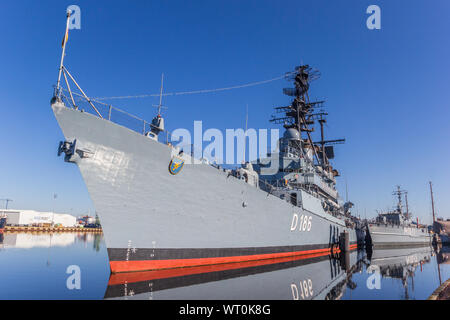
(160, 209)
(395, 228)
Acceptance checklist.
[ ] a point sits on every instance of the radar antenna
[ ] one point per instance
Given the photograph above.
(299, 114)
(7, 201)
(160, 106)
(157, 124)
(399, 193)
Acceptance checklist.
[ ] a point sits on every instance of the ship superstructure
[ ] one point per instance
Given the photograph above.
(303, 165)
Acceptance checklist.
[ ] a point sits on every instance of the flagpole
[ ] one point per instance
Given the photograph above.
(58, 92)
(245, 133)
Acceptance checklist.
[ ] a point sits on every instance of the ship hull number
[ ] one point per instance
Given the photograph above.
(301, 223)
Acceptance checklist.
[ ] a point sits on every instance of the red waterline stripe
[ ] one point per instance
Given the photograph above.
(132, 277)
(147, 265)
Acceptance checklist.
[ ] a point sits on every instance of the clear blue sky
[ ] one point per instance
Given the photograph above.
(387, 90)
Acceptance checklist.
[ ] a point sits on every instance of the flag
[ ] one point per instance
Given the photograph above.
(66, 37)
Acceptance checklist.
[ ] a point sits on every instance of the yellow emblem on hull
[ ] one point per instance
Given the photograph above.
(175, 165)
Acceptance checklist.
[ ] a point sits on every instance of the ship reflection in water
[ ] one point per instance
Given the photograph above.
(443, 254)
(34, 266)
(317, 277)
(400, 264)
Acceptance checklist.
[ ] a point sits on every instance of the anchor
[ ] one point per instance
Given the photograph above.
(72, 153)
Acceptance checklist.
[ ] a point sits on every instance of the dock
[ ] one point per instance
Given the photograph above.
(51, 229)
(441, 293)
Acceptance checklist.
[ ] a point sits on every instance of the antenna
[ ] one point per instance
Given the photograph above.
(63, 70)
(246, 116)
(66, 37)
(245, 133)
(157, 124)
(298, 115)
(160, 106)
(322, 120)
(399, 194)
(406, 201)
(160, 93)
(432, 201)
(6, 201)
(346, 190)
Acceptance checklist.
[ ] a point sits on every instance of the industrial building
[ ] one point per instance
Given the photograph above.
(38, 218)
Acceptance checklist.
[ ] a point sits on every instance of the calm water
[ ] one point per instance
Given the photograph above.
(35, 266)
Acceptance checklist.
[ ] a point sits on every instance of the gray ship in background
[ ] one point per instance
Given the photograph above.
(396, 228)
(159, 211)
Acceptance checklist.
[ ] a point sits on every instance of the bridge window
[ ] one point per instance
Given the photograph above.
(294, 198)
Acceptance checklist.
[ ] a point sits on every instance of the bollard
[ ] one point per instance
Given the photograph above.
(344, 260)
(344, 246)
(344, 241)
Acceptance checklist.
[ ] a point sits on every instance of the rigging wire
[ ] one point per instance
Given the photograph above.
(81, 97)
(251, 84)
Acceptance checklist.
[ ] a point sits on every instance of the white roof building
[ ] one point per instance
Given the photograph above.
(30, 217)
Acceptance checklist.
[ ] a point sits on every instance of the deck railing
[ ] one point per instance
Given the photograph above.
(113, 114)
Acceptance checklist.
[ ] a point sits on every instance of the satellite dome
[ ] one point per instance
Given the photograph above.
(291, 134)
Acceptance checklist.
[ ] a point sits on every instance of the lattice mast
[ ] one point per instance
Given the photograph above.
(300, 114)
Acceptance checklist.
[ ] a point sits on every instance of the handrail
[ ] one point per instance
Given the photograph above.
(109, 111)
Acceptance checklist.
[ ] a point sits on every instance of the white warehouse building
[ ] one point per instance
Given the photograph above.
(32, 217)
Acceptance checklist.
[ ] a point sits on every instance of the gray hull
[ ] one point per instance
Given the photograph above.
(388, 235)
(153, 219)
